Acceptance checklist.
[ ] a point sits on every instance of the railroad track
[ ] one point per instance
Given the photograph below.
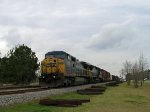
(11, 97)
(18, 87)
(22, 90)
(25, 89)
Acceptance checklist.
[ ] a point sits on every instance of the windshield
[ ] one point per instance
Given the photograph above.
(49, 56)
(55, 56)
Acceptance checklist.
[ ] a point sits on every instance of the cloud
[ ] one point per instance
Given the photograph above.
(113, 35)
(101, 32)
(3, 48)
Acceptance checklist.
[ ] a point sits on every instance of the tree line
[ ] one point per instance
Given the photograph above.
(136, 72)
(18, 66)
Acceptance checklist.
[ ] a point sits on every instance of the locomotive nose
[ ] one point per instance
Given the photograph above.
(51, 64)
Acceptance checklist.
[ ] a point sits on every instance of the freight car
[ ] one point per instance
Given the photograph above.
(62, 69)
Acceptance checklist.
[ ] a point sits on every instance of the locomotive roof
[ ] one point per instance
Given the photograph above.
(85, 64)
(88, 64)
(58, 52)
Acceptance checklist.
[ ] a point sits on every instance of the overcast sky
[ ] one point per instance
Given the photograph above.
(102, 32)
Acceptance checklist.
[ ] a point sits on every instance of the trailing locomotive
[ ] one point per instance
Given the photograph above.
(61, 69)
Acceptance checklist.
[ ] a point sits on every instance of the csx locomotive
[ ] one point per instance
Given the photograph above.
(61, 69)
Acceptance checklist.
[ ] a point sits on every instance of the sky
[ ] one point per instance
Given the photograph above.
(104, 33)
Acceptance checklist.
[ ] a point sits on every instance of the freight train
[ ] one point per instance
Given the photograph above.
(62, 69)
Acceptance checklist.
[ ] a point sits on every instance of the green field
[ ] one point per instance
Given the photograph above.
(116, 99)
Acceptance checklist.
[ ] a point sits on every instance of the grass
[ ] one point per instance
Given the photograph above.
(116, 99)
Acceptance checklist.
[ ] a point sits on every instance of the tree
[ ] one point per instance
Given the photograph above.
(0, 68)
(148, 74)
(142, 67)
(19, 65)
(127, 71)
(135, 71)
(5, 73)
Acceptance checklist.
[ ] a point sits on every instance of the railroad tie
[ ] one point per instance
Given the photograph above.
(63, 102)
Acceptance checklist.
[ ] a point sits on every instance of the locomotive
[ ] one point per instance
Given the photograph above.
(62, 69)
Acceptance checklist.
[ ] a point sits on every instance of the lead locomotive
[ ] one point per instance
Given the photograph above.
(61, 69)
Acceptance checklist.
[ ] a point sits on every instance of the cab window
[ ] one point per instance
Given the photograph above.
(49, 56)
